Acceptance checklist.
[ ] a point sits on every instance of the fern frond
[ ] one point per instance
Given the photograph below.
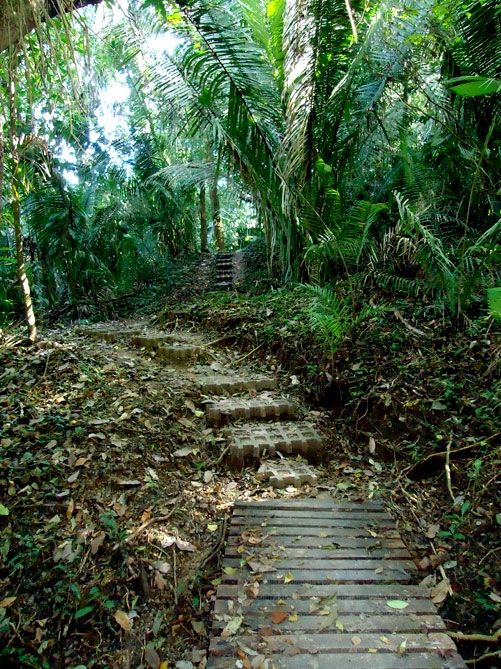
(494, 302)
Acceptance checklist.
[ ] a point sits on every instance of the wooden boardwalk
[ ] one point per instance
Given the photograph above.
(313, 584)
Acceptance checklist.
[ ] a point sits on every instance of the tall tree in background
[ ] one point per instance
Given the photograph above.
(16, 188)
(204, 240)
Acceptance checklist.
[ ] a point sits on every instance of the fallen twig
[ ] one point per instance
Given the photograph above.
(151, 521)
(216, 548)
(218, 341)
(443, 454)
(244, 357)
(222, 456)
(485, 638)
(410, 327)
(447, 467)
(174, 573)
(482, 658)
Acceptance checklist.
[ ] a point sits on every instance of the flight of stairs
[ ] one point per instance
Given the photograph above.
(225, 272)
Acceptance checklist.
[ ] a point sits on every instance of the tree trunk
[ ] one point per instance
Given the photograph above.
(216, 218)
(19, 17)
(204, 244)
(216, 209)
(24, 282)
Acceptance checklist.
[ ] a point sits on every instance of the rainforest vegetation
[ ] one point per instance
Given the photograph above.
(351, 150)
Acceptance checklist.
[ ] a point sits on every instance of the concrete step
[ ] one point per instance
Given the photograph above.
(180, 354)
(108, 334)
(222, 285)
(151, 342)
(256, 408)
(255, 441)
(227, 385)
(283, 473)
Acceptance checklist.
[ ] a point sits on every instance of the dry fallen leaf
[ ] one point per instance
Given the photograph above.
(232, 627)
(97, 542)
(162, 566)
(278, 616)
(185, 545)
(8, 601)
(199, 627)
(152, 658)
(184, 452)
(356, 640)
(260, 568)
(329, 620)
(123, 620)
(70, 508)
(402, 647)
(432, 530)
(159, 581)
(440, 592)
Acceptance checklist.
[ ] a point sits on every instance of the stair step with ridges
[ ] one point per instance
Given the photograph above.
(285, 473)
(108, 334)
(221, 385)
(180, 354)
(254, 441)
(152, 342)
(257, 408)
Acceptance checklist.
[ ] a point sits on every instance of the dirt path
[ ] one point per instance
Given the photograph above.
(117, 497)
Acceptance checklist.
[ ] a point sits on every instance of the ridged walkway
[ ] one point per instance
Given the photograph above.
(313, 584)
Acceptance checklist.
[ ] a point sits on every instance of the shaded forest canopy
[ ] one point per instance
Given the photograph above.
(357, 139)
(350, 149)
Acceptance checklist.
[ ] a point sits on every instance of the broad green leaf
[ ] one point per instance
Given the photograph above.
(83, 612)
(397, 604)
(475, 86)
(4, 511)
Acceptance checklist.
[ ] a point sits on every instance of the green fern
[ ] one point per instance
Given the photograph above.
(332, 317)
(494, 302)
(399, 284)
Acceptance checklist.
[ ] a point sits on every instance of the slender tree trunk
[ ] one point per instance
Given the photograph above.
(216, 217)
(204, 244)
(216, 209)
(24, 282)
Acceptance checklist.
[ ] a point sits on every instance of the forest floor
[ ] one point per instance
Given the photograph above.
(115, 498)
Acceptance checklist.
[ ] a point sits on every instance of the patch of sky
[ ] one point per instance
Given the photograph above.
(112, 109)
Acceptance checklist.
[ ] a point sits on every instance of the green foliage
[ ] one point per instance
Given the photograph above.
(333, 317)
(348, 236)
(308, 116)
(7, 285)
(455, 269)
(494, 302)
